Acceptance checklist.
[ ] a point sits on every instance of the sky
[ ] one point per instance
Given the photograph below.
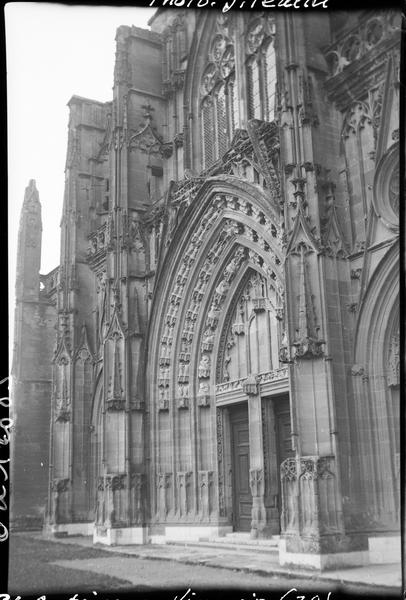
(53, 52)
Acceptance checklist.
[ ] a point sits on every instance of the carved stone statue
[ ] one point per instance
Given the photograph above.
(204, 366)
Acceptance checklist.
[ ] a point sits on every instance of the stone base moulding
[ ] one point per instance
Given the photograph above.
(322, 561)
(119, 536)
(385, 549)
(26, 523)
(190, 533)
(65, 529)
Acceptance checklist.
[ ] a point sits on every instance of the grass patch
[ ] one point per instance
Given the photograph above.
(31, 573)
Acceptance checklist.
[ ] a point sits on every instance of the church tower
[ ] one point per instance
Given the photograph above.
(32, 353)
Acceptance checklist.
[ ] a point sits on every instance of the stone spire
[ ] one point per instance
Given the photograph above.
(29, 245)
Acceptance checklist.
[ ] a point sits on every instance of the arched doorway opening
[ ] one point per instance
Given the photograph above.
(216, 333)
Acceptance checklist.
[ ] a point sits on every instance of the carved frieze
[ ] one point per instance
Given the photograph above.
(261, 378)
(275, 375)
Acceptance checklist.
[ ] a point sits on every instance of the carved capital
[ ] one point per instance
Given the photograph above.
(115, 404)
(250, 385)
(63, 414)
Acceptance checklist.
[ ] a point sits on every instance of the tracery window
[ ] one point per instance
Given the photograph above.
(219, 102)
(260, 69)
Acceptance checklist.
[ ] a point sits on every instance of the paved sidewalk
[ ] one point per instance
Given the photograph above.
(387, 576)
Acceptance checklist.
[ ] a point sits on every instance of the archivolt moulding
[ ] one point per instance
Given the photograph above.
(386, 189)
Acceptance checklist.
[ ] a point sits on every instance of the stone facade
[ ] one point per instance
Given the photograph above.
(226, 305)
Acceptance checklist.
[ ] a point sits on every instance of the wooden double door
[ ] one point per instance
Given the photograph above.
(240, 455)
(240, 447)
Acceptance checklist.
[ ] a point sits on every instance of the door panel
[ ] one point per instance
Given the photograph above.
(283, 437)
(242, 499)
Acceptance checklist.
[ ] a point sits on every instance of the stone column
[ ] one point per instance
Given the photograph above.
(257, 481)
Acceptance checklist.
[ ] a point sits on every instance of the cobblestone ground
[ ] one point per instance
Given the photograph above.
(46, 567)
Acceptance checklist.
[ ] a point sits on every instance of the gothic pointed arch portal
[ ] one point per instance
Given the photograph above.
(215, 342)
(376, 389)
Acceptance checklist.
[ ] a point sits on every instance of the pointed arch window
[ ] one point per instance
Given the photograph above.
(260, 69)
(218, 103)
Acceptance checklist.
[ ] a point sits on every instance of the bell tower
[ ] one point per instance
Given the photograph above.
(31, 371)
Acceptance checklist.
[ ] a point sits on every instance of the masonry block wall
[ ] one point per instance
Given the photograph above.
(32, 373)
(228, 271)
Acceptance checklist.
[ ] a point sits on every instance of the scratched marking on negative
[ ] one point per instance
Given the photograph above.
(252, 4)
(292, 594)
(5, 425)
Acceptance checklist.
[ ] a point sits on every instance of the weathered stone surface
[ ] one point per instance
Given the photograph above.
(228, 242)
